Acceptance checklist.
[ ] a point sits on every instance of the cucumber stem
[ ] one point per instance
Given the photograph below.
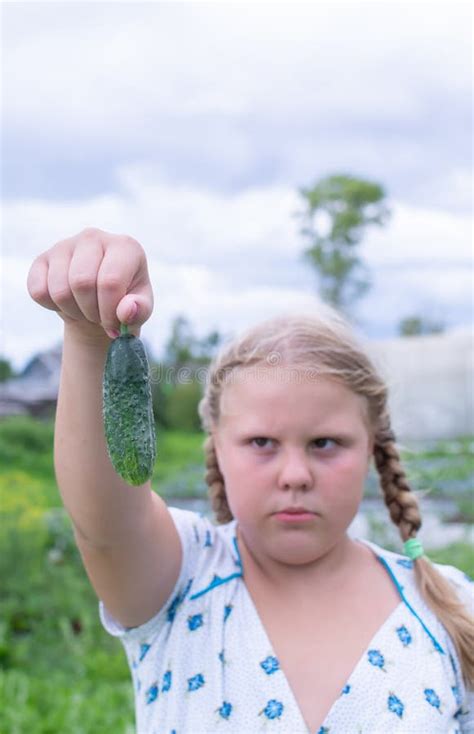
(123, 329)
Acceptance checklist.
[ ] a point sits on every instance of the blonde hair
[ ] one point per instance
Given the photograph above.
(325, 345)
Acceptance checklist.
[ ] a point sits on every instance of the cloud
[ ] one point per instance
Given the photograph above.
(422, 237)
(191, 126)
(227, 96)
(225, 260)
(188, 49)
(452, 192)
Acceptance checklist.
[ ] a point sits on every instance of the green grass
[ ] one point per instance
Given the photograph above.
(178, 454)
(26, 449)
(461, 446)
(56, 703)
(59, 670)
(439, 468)
(460, 555)
(28, 444)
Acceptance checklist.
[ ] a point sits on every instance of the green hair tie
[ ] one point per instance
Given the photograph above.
(413, 548)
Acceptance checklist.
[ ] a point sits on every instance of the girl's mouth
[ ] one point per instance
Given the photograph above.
(294, 516)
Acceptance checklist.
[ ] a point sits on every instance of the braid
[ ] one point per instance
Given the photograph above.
(215, 482)
(437, 592)
(401, 502)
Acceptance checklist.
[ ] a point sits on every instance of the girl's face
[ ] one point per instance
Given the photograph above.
(285, 444)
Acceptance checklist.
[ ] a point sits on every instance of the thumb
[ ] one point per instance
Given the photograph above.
(134, 309)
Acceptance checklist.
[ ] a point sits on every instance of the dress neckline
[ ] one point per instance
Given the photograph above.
(373, 642)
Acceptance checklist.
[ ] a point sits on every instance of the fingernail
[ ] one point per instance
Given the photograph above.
(112, 333)
(132, 311)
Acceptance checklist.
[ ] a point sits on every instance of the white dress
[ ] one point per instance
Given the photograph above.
(204, 664)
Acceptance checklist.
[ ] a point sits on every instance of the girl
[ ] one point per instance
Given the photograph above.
(272, 618)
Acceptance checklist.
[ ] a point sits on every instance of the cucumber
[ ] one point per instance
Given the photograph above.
(128, 409)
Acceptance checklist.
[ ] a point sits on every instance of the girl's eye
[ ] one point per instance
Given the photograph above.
(260, 441)
(319, 441)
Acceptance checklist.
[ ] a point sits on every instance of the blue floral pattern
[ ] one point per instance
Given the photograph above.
(196, 682)
(177, 601)
(395, 705)
(273, 709)
(143, 651)
(270, 664)
(376, 658)
(152, 693)
(432, 698)
(166, 683)
(225, 710)
(195, 621)
(404, 636)
(456, 694)
(206, 663)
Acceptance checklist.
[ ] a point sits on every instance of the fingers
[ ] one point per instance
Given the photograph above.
(59, 286)
(48, 283)
(94, 277)
(124, 292)
(83, 269)
(37, 283)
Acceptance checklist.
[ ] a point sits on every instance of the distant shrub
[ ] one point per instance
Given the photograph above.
(160, 401)
(23, 499)
(23, 432)
(460, 554)
(182, 405)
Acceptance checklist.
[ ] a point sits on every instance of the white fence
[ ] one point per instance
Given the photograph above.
(431, 383)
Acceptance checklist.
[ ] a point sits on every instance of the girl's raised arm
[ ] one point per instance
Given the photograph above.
(93, 281)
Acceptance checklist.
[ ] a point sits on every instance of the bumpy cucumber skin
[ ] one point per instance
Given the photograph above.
(128, 410)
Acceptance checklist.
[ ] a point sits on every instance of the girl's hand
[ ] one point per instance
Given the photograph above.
(94, 281)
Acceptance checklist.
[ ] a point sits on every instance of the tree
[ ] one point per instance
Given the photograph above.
(205, 348)
(182, 407)
(177, 386)
(179, 347)
(6, 369)
(183, 347)
(351, 205)
(417, 326)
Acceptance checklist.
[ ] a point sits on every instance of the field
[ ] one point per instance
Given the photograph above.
(59, 671)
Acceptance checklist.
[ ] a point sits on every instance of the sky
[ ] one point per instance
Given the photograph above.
(192, 126)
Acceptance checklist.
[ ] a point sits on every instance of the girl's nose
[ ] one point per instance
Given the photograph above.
(295, 471)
